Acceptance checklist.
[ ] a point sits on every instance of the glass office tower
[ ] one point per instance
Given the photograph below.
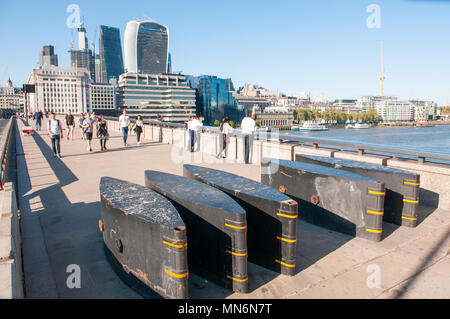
(111, 61)
(215, 99)
(146, 46)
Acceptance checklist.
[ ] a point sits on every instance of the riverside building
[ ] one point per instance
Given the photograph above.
(103, 98)
(11, 97)
(165, 97)
(59, 90)
(395, 110)
(275, 117)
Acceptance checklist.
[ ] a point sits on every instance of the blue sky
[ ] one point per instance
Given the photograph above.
(316, 46)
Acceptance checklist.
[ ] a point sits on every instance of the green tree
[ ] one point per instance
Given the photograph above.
(232, 123)
(257, 122)
(216, 123)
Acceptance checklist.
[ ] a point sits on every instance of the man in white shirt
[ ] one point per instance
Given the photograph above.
(124, 123)
(195, 128)
(55, 132)
(248, 126)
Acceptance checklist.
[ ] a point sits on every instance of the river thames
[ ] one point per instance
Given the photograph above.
(433, 139)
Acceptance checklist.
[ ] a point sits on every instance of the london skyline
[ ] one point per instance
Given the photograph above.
(289, 46)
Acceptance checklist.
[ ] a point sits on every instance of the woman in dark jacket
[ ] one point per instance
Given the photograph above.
(102, 131)
(139, 128)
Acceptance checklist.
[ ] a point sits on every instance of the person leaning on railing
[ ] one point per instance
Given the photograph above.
(225, 130)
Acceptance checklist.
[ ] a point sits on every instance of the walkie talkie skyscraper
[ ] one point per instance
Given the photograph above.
(146, 47)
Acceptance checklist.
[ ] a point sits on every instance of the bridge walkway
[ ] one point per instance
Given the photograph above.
(60, 209)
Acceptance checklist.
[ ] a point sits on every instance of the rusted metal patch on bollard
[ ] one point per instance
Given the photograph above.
(314, 199)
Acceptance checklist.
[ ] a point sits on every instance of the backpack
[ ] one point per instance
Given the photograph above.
(49, 121)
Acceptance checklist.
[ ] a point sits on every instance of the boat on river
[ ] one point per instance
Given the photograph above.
(309, 126)
(358, 126)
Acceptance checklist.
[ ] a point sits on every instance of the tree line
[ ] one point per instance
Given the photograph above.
(336, 116)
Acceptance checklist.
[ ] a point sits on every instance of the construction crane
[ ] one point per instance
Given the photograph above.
(382, 70)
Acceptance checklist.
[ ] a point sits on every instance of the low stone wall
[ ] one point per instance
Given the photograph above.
(434, 178)
(11, 270)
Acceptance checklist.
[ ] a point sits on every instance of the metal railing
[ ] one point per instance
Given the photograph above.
(362, 147)
(4, 148)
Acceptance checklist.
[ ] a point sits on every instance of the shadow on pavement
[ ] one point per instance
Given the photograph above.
(71, 237)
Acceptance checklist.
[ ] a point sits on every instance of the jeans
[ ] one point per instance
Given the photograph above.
(37, 125)
(125, 134)
(248, 141)
(138, 133)
(222, 145)
(191, 140)
(56, 144)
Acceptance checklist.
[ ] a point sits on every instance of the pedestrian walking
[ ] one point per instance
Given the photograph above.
(55, 132)
(82, 117)
(94, 122)
(37, 117)
(225, 131)
(124, 124)
(88, 127)
(248, 126)
(102, 131)
(70, 123)
(138, 127)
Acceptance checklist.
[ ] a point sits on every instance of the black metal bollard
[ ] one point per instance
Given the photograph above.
(339, 200)
(271, 217)
(402, 187)
(216, 228)
(145, 239)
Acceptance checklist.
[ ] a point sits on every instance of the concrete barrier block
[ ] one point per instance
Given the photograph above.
(216, 228)
(167, 137)
(320, 151)
(11, 270)
(147, 132)
(434, 181)
(272, 149)
(367, 158)
(179, 137)
(232, 148)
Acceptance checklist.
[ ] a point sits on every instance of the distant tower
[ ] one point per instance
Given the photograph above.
(82, 39)
(47, 56)
(83, 57)
(111, 60)
(382, 70)
(146, 47)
